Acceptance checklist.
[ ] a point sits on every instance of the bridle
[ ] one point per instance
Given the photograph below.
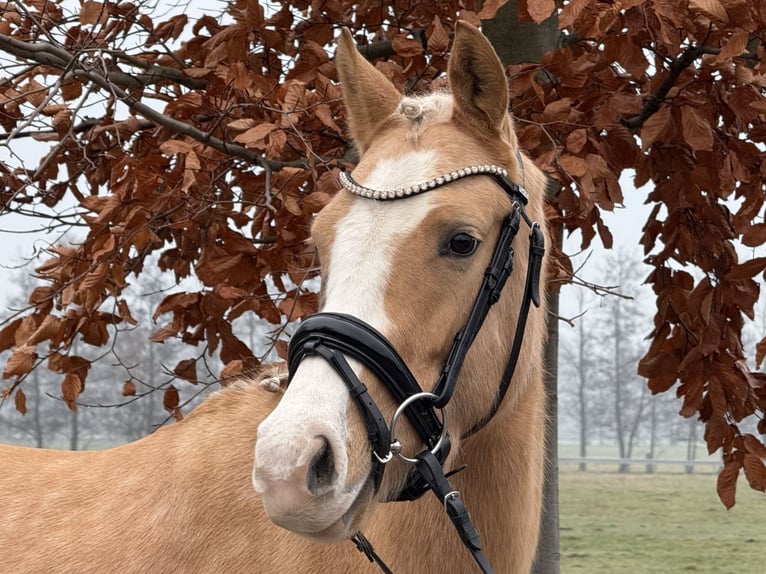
(335, 336)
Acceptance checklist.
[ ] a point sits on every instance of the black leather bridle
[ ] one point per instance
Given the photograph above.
(335, 336)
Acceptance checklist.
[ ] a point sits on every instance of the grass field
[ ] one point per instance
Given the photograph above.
(658, 524)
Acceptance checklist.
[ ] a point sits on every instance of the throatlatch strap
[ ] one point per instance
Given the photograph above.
(531, 295)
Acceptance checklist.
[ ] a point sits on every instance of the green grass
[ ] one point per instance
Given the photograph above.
(658, 524)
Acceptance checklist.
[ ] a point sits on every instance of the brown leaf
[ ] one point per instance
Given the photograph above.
(242, 124)
(540, 10)
(282, 347)
(573, 165)
(747, 270)
(187, 370)
(654, 127)
(405, 46)
(489, 8)
(20, 362)
(164, 333)
(712, 8)
(128, 389)
(315, 201)
(50, 326)
(558, 110)
(727, 481)
(755, 446)
(91, 12)
(172, 28)
(8, 335)
(71, 387)
(71, 89)
(20, 401)
(760, 353)
(172, 147)
(698, 132)
(292, 205)
(45, 136)
(254, 137)
(229, 293)
(661, 369)
(755, 472)
(124, 311)
(736, 46)
(755, 236)
(571, 12)
(438, 41)
(170, 399)
(576, 140)
(324, 113)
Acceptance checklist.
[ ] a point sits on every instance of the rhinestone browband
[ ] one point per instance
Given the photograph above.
(351, 185)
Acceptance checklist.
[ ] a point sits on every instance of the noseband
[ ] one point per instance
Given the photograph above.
(335, 336)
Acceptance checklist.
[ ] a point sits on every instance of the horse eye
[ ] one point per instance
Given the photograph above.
(463, 244)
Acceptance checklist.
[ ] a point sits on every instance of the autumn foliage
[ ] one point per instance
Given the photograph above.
(674, 91)
(216, 140)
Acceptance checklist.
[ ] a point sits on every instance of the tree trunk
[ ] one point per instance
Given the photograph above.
(548, 549)
(691, 446)
(522, 42)
(617, 381)
(583, 376)
(637, 420)
(37, 421)
(652, 437)
(74, 431)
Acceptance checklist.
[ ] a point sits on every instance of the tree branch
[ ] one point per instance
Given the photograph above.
(55, 56)
(385, 48)
(83, 126)
(156, 73)
(654, 101)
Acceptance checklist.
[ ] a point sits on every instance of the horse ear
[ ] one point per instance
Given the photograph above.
(477, 79)
(369, 96)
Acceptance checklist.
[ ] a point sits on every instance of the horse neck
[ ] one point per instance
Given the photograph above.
(213, 447)
(199, 470)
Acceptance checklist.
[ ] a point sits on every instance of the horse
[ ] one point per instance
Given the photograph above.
(278, 479)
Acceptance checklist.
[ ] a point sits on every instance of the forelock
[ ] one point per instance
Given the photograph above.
(421, 110)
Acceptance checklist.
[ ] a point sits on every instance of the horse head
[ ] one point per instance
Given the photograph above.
(409, 269)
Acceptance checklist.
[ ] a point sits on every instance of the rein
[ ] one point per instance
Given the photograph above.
(333, 336)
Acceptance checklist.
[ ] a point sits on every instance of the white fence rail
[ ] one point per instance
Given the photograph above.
(643, 464)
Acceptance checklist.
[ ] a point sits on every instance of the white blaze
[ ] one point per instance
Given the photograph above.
(368, 236)
(361, 258)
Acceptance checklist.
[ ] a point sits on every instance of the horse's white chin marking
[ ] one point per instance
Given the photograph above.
(324, 527)
(315, 403)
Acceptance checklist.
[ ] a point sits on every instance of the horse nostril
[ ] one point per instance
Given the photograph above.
(321, 469)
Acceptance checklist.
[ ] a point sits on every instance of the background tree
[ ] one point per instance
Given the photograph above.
(211, 142)
(602, 395)
(578, 366)
(621, 321)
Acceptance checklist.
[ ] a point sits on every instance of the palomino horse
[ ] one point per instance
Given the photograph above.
(399, 274)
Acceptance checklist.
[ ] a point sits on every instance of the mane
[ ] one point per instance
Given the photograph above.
(270, 380)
